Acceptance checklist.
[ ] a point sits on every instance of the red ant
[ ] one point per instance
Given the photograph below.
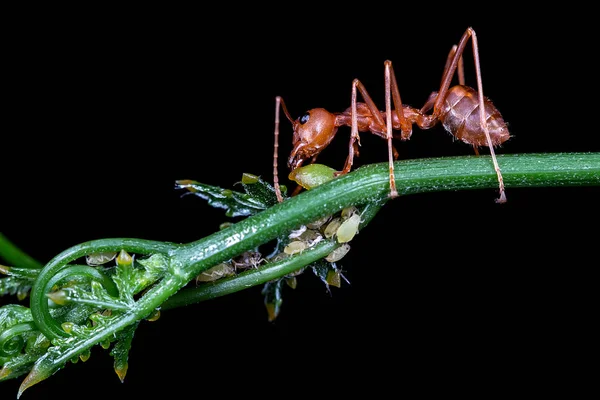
(463, 111)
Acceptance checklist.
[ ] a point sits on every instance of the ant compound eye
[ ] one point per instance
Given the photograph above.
(304, 119)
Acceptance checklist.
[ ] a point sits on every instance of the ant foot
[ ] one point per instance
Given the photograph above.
(502, 198)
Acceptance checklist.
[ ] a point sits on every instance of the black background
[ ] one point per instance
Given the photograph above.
(103, 114)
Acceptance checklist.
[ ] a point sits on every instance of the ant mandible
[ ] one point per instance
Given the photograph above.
(462, 110)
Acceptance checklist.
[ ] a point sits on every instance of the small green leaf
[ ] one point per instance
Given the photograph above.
(67, 327)
(124, 258)
(98, 297)
(133, 277)
(126, 279)
(12, 314)
(291, 281)
(155, 267)
(260, 190)
(22, 273)
(19, 282)
(154, 316)
(41, 370)
(120, 350)
(327, 272)
(273, 300)
(85, 356)
(334, 278)
(248, 179)
(235, 203)
(59, 297)
(17, 366)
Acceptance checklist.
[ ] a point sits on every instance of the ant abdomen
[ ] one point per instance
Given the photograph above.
(460, 116)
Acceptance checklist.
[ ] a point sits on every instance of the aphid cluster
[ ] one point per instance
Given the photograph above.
(247, 260)
(341, 227)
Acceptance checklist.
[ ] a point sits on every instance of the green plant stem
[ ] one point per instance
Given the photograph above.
(249, 278)
(370, 185)
(15, 256)
(372, 182)
(366, 185)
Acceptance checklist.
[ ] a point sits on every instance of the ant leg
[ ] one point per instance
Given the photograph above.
(276, 152)
(356, 84)
(392, 94)
(456, 59)
(297, 190)
(460, 68)
(388, 124)
(429, 103)
(502, 198)
(461, 71)
(461, 79)
(356, 147)
(354, 138)
(278, 103)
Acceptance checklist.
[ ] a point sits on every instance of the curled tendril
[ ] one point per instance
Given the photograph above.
(12, 339)
(58, 269)
(86, 272)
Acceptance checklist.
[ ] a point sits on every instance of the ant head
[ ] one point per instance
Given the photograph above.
(313, 131)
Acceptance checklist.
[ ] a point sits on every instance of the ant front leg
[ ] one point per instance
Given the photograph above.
(278, 100)
(278, 103)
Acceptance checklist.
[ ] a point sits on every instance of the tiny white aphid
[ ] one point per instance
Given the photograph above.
(217, 272)
(310, 237)
(332, 227)
(297, 232)
(100, 258)
(348, 212)
(313, 242)
(319, 223)
(338, 253)
(295, 247)
(248, 259)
